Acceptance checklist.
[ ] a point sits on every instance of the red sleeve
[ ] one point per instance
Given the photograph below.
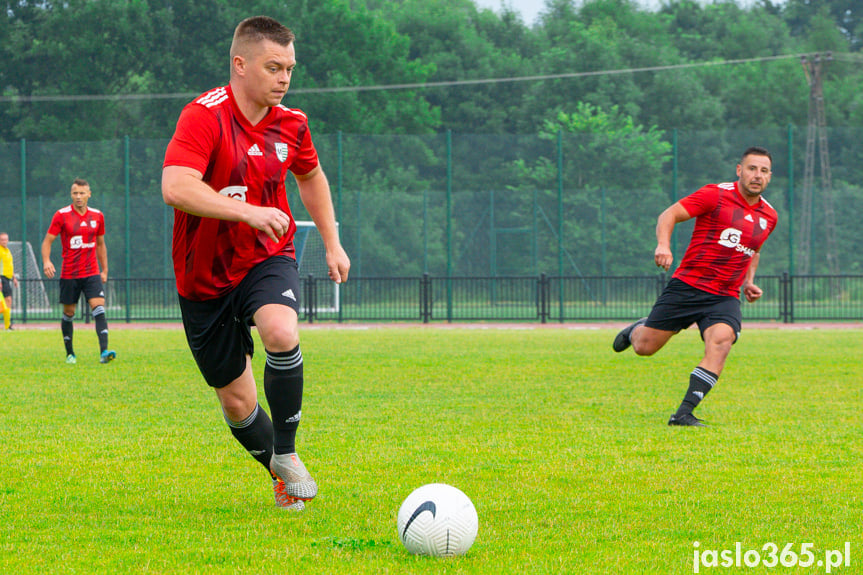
(194, 139)
(56, 224)
(307, 157)
(702, 201)
(100, 231)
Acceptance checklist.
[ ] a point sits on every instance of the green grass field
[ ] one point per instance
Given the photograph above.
(561, 444)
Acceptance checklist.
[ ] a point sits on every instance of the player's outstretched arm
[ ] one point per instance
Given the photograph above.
(184, 189)
(315, 194)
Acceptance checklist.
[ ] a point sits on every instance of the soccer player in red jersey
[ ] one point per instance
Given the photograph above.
(82, 234)
(732, 221)
(224, 175)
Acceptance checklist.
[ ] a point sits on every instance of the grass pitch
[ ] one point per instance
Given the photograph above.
(561, 444)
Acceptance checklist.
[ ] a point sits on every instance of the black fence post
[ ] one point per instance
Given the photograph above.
(311, 306)
(542, 288)
(425, 297)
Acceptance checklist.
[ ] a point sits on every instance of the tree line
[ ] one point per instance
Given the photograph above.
(78, 49)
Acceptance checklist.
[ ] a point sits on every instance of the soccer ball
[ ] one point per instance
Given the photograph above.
(438, 520)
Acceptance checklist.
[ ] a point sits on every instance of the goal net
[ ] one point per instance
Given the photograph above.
(312, 260)
(33, 288)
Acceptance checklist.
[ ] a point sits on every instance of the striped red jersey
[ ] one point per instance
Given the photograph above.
(728, 232)
(248, 163)
(78, 235)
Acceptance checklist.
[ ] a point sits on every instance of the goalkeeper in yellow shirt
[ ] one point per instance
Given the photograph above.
(7, 276)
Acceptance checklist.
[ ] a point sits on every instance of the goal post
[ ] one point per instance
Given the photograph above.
(312, 260)
(34, 288)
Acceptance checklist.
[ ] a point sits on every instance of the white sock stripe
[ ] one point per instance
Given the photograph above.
(98, 310)
(704, 376)
(246, 422)
(285, 363)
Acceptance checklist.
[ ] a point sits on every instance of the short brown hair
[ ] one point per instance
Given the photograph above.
(757, 151)
(258, 28)
(80, 182)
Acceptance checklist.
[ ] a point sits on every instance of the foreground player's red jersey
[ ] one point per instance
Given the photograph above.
(728, 232)
(78, 237)
(248, 163)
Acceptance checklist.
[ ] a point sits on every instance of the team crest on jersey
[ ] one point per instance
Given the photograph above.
(281, 151)
(763, 223)
(93, 224)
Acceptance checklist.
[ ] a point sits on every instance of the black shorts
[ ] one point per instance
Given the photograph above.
(70, 289)
(7, 286)
(680, 305)
(219, 330)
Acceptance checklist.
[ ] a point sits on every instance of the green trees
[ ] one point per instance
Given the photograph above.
(111, 69)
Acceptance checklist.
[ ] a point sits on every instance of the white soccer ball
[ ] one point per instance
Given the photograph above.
(438, 520)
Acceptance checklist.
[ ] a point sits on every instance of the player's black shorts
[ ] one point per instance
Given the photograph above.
(7, 286)
(70, 289)
(219, 330)
(680, 305)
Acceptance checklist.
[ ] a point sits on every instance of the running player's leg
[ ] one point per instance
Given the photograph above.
(70, 291)
(270, 294)
(94, 291)
(719, 329)
(283, 384)
(222, 346)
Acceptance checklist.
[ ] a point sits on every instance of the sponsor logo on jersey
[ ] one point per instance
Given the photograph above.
(289, 293)
(748, 218)
(236, 192)
(730, 238)
(77, 243)
(281, 151)
(255, 151)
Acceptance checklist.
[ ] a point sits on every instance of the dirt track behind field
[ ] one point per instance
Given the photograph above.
(456, 325)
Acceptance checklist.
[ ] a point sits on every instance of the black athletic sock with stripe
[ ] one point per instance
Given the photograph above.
(283, 385)
(101, 326)
(255, 433)
(67, 328)
(701, 381)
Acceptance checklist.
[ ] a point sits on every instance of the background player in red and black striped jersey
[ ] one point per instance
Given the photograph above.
(224, 173)
(732, 222)
(82, 234)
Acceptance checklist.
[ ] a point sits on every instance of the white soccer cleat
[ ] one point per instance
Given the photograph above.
(298, 482)
(284, 500)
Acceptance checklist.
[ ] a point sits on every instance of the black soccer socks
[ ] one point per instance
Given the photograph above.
(101, 326)
(283, 385)
(255, 433)
(701, 382)
(67, 328)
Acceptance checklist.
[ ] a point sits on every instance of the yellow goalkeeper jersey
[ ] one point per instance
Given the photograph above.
(7, 268)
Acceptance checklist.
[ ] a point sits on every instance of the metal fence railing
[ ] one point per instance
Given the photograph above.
(427, 299)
